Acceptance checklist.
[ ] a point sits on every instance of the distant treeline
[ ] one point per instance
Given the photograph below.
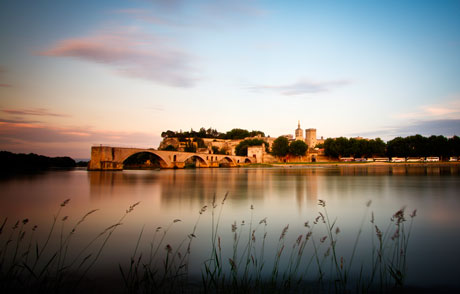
(16, 162)
(412, 146)
(212, 133)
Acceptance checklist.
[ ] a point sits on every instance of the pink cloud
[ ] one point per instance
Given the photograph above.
(132, 54)
(33, 111)
(448, 109)
(24, 136)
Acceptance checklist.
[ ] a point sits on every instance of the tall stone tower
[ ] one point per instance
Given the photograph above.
(310, 138)
(299, 133)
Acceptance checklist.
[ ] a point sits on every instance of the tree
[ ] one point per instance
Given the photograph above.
(168, 134)
(236, 134)
(242, 148)
(376, 147)
(256, 133)
(298, 148)
(170, 148)
(454, 146)
(190, 147)
(330, 148)
(200, 142)
(280, 146)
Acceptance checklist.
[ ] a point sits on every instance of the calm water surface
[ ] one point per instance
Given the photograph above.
(282, 195)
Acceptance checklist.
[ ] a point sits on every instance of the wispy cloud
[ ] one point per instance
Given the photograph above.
(18, 121)
(449, 109)
(156, 108)
(301, 87)
(149, 17)
(33, 111)
(131, 53)
(445, 127)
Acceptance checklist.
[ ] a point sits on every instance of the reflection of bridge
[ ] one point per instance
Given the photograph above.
(112, 158)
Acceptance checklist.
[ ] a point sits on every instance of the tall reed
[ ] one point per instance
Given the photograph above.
(252, 259)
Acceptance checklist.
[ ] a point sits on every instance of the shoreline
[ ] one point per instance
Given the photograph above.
(367, 164)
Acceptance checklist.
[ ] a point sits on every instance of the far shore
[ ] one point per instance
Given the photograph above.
(333, 164)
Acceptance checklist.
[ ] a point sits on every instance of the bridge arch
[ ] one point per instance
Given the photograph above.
(200, 158)
(163, 161)
(228, 160)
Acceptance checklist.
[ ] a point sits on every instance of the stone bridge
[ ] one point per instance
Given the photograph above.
(112, 158)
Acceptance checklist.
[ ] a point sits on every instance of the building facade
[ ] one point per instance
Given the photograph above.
(299, 133)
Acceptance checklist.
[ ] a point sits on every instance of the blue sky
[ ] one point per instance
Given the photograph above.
(78, 73)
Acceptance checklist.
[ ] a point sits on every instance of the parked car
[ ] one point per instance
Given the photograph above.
(415, 159)
(453, 158)
(347, 159)
(432, 159)
(398, 159)
(381, 159)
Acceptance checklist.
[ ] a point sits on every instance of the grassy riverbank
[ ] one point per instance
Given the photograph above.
(313, 261)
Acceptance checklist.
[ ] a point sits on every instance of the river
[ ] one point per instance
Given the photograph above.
(282, 195)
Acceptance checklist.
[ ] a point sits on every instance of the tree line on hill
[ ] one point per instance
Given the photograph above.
(234, 134)
(16, 162)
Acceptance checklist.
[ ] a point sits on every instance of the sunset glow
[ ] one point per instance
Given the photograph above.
(74, 74)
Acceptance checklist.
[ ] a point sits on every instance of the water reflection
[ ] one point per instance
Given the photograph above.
(200, 186)
(283, 195)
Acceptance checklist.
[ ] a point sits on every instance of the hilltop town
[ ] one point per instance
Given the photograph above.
(305, 146)
(259, 146)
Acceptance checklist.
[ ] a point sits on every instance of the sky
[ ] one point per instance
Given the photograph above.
(74, 74)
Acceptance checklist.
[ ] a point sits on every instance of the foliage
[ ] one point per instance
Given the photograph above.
(238, 134)
(242, 148)
(280, 146)
(170, 148)
(12, 161)
(411, 146)
(190, 146)
(354, 147)
(199, 142)
(414, 146)
(298, 148)
(202, 133)
(82, 163)
(216, 150)
(234, 134)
